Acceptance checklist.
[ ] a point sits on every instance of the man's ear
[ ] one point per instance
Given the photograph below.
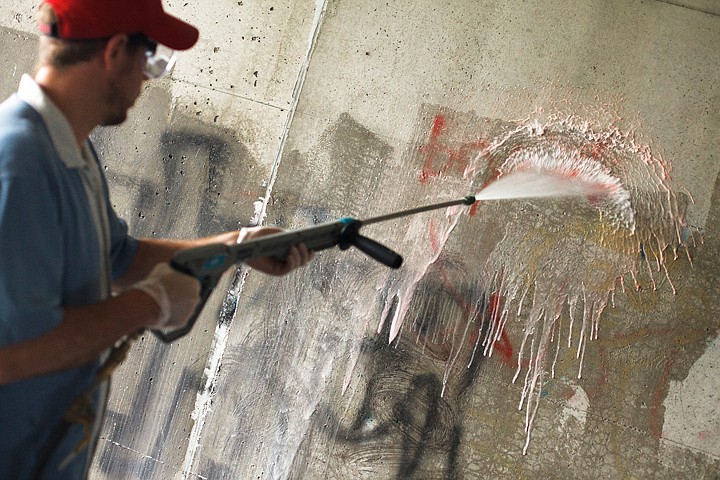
(114, 51)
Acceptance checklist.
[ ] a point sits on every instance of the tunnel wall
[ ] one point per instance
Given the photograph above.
(304, 112)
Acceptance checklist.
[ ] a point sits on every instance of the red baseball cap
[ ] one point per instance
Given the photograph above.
(88, 19)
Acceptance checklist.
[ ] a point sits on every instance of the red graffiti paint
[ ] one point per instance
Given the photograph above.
(594, 150)
(494, 307)
(503, 345)
(440, 158)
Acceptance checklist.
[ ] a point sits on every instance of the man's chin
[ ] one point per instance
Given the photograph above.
(114, 120)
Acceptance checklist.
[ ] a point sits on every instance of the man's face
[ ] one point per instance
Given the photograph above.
(125, 86)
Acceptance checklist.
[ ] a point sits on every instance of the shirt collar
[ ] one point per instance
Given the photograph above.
(57, 124)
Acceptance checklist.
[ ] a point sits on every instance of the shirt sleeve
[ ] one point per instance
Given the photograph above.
(31, 259)
(123, 247)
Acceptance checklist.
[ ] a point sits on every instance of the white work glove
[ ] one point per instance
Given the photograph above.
(175, 293)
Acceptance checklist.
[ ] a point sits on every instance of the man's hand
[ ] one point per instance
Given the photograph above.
(298, 255)
(175, 293)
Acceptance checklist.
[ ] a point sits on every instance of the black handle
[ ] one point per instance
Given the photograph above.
(378, 251)
(350, 236)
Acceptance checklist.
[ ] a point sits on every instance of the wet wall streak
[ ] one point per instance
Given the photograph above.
(679, 416)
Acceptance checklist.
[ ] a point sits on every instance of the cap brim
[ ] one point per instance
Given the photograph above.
(172, 32)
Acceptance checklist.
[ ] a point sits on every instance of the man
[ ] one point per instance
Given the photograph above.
(73, 283)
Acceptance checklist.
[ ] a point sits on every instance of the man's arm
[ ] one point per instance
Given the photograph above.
(83, 335)
(87, 331)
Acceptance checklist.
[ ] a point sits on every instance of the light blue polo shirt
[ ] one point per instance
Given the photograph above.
(60, 245)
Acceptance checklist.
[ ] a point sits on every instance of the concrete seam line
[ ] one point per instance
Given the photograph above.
(688, 7)
(205, 397)
(320, 7)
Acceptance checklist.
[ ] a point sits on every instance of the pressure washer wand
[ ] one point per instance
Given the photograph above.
(207, 263)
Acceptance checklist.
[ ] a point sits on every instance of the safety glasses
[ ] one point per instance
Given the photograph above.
(159, 59)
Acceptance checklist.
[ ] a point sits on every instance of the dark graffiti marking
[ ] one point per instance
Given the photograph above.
(410, 409)
(191, 159)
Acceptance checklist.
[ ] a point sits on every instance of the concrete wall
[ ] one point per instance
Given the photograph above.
(301, 112)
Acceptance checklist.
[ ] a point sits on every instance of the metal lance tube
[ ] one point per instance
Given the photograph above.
(469, 200)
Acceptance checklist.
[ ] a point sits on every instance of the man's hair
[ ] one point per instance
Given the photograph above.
(61, 53)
